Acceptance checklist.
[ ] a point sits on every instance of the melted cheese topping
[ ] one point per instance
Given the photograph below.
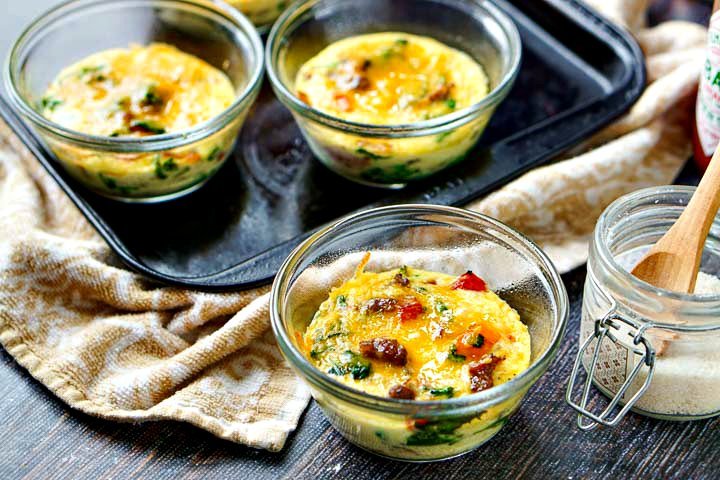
(436, 367)
(390, 79)
(137, 91)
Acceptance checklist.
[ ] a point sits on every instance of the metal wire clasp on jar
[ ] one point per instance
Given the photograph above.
(650, 350)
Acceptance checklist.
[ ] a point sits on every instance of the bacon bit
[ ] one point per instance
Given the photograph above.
(342, 102)
(401, 280)
(304, 98)
(401, 391)
(469, 281)
(441, 93)
(481, 373)
(484, 336)
(410, 309)
(432, 281)
(377, 305)
(384, 349)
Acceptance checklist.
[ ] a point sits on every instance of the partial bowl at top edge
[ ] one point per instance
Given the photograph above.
(262, 13)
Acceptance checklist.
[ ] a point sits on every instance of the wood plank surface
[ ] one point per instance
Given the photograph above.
(42, 438)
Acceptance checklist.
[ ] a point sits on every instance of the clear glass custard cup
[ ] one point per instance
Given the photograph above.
(262, 13)
(151, 168)
(383, 155)
(436, 238)
(650, 350)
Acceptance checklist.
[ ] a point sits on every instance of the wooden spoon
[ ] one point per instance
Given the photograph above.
(673, 262)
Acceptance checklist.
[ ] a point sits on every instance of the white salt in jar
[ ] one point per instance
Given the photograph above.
(650, 350)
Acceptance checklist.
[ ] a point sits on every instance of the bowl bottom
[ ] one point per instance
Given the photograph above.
(384, 186)
(490, 433)
(404, 438)
(157, 198)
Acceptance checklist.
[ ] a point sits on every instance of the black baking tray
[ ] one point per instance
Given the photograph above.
(578, 73)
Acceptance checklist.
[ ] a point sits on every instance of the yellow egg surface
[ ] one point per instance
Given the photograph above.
(458, 337)
(390, 79)
(137, 91)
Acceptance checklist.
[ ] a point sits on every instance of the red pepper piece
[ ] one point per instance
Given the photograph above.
(410, 309)
(420, 422)
(469, 281)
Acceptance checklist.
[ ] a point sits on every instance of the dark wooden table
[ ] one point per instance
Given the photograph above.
(43, 438)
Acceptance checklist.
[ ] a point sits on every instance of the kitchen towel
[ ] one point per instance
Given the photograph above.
(111, 344)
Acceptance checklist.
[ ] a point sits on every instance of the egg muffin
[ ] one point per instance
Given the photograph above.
(138, 92)
(261, 12)
(417, 335)
(391, 79)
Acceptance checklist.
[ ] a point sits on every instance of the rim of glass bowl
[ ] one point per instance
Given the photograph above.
(287, 22)
(398, 406)
(38, 26)
(617, 210)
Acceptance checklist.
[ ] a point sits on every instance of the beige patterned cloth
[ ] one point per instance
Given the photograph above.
(110, 344)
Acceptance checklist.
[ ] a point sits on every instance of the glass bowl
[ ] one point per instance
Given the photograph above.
(383, 155)
(261, 12)
(443, 239)
(133, 169)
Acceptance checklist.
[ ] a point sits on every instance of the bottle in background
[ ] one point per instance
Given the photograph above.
(706, 134)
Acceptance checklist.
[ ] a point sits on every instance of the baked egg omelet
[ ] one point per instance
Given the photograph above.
(414, 334)
(391, 79)
(138, 92)
(260, 12)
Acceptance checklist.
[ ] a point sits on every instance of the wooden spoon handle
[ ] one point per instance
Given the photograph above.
(674, 261)
(697, 219)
